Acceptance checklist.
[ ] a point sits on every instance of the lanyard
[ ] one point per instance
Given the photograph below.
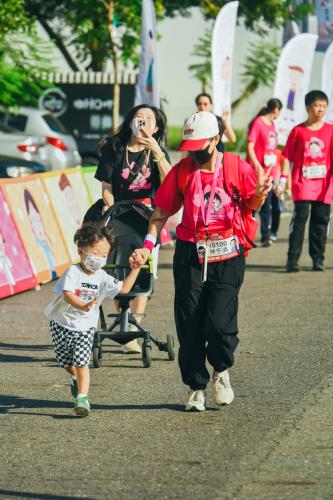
(206, 216)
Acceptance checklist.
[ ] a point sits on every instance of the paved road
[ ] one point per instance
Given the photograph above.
(274, 442)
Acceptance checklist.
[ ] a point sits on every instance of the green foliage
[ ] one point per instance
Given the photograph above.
(261, 14)
(175, 135)
(24, 66)
(12, 17)
(259, 69)
(202, 70)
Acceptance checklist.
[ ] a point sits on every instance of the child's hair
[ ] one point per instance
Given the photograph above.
(92, 232)
(315, 95)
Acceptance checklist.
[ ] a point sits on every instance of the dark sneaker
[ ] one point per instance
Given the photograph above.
(82, 406)
(74, 388)
(318, 266)
(293, 267)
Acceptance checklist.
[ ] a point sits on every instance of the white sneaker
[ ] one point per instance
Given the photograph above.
(222, 391)
(132, 347)
(196, 401)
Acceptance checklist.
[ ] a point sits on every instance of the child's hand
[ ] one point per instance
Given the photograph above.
(89, 305)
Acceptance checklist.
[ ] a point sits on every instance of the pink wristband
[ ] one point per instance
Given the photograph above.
(148, 244)
(283, 177)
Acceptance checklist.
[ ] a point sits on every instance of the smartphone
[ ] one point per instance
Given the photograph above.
(137, 125)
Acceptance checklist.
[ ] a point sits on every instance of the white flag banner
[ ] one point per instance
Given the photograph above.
(327, 80)
(147, 87)
(293, 80)
(222, 56)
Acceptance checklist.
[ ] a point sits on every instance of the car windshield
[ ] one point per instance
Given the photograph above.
(55, 124)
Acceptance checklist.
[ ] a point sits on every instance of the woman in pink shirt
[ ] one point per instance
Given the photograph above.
(209, 261)
(261, 152)
(309, 151)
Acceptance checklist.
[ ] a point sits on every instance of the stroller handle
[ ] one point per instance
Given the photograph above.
(146, 266)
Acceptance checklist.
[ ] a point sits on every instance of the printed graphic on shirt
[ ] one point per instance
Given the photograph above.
(314, 165)
(270, 156)
(222, 208)
(87, 292)
(141, 180)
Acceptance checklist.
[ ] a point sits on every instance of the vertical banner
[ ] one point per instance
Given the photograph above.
(222, 56)
(327, 81)
(16, 274)
(324, 11)
(35, 221)
(147, 88)
(292, 81)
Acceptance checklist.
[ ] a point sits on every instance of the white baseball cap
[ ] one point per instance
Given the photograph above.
(198, 128)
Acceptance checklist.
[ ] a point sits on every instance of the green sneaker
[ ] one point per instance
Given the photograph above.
(82, 406)
(74, 388)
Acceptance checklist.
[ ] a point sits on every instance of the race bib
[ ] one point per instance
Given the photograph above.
(314, 171)
(270, 159)
(219, 245)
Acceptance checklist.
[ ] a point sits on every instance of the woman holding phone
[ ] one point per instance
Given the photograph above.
(132, 165)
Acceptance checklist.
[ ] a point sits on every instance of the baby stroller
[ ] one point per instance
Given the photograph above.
(129, 220)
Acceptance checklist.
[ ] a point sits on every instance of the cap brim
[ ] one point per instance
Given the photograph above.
(192, 145)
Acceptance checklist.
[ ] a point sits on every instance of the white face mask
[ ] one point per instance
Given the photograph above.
(93, 262)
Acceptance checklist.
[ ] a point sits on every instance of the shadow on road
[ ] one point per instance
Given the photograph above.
(15, 358)
(41, 496)
(25, 347)
(9, 403)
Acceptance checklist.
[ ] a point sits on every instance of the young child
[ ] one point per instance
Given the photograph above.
(309, 150)
(74, 312)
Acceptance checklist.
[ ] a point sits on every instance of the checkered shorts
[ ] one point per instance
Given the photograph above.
(71, 347)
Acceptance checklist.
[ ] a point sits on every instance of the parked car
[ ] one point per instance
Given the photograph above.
(15, 167)
(61, 147)
(17, 145)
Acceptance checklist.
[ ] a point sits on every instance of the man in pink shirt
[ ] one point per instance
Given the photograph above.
(309, 151)
(209, 261)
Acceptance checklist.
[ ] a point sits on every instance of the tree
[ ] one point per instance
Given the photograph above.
(24, 57)
(24, 69)
(259, 69)
(110, 29)
(202, 71)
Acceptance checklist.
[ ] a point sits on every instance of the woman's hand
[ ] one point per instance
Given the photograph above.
(139, 257)
(225, 117)
(149, 142)
(264, 182)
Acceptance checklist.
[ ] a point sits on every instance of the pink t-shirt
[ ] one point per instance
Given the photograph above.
(264, 138)
(311, 155)
(224, 213)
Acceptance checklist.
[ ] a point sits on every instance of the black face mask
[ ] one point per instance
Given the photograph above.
(202, 156)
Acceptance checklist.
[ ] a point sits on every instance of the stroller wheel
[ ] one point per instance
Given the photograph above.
(146, 355)
(97, 356)
(171, 347)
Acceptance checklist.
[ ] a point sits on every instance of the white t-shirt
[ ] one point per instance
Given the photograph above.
(86, 287)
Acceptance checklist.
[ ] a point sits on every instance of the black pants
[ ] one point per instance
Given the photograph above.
(319, 219)
(205, 313)
(265, 217)
(276, 213)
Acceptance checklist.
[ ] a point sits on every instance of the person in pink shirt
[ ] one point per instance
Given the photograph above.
(209, 261)
(261, 152)
(309, 151)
